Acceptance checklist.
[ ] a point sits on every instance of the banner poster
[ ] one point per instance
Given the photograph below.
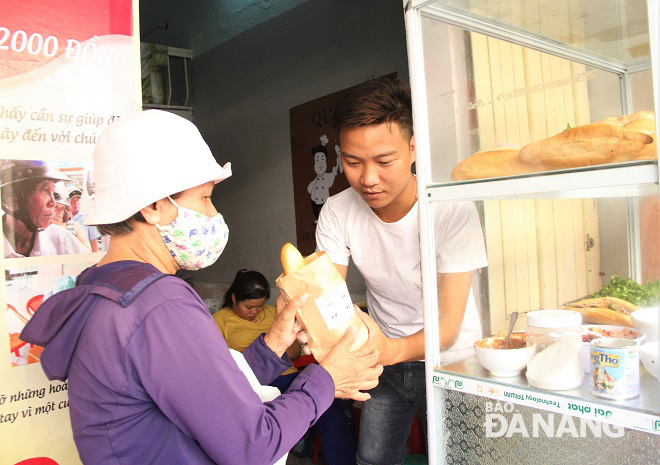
(316, 165)
(68, 69)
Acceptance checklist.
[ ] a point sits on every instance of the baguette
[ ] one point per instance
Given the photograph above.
(623, 120)
(492, 163)
(291, 258)
(645, 125)
(604, 311)
(650, 151)
(591, 144)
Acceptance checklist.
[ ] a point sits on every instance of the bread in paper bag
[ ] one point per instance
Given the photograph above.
(329, 311)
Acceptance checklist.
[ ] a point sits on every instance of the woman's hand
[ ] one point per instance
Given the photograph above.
(355, 371)
(285, 329)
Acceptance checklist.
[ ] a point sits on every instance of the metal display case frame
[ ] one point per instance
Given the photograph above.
(457, 387)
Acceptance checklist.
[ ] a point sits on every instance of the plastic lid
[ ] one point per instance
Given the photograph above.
(554, 318)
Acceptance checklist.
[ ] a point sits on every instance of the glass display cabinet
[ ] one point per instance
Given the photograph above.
(521, 107)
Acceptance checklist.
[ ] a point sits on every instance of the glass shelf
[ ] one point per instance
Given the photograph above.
(606, 33)
(639, 413)
(629, 179)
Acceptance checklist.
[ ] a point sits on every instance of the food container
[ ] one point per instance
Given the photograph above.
(649, 354)
(556, 336)
(646, 319)
(500, 362)
(592, 332)
(614, 368)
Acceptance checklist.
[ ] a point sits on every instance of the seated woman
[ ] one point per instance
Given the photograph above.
(244, 316)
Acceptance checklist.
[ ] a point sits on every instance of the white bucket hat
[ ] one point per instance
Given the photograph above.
(144, 157)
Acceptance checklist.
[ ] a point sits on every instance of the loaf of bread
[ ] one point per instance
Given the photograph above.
(650, 151)
(610, 140)
(292, 259)
(645, 125)
(625, 119)
(492, 163)
(591, 144)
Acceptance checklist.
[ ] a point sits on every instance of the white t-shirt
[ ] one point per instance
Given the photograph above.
(54, 240)
(388, 257)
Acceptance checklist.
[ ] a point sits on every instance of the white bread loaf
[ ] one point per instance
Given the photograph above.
(625, 119)
(591, 144)
(492, 163)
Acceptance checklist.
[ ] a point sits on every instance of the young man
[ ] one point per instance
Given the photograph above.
(375, 223)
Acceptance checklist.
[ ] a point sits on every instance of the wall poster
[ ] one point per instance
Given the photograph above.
(68, 69)
(317, 170)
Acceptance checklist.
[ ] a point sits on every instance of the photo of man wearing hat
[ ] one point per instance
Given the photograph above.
(75, 196)
(28, 203)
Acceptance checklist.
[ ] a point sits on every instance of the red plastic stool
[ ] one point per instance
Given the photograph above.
(416, 439)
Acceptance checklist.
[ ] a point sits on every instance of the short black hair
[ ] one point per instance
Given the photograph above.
(381, 100)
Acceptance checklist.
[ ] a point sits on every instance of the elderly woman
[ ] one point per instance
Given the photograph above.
(150, 378)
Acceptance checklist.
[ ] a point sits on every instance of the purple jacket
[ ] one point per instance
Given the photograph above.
(151, 380)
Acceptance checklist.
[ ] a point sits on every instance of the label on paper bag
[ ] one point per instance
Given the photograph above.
(335, 306)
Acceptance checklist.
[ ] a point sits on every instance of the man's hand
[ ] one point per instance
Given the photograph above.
(285, 329)
(390, 350)
(354, 371)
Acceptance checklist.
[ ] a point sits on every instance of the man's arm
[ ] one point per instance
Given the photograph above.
(453, 292)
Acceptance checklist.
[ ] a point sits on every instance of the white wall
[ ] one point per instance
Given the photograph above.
(242, 92)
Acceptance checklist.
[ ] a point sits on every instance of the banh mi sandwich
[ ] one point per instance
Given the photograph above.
(604, 311)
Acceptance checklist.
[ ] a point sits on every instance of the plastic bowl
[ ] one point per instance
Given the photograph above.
(503, 363)
(646, 319)
(622, 332)
(648, 354)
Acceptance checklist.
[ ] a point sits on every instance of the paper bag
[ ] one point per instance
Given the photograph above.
(329, 311)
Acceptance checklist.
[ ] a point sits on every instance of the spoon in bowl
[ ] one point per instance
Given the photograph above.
(512, 323)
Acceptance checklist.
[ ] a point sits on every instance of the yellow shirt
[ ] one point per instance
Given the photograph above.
(240, 333)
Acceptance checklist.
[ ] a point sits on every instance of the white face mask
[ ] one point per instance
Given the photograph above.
(195, 240)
